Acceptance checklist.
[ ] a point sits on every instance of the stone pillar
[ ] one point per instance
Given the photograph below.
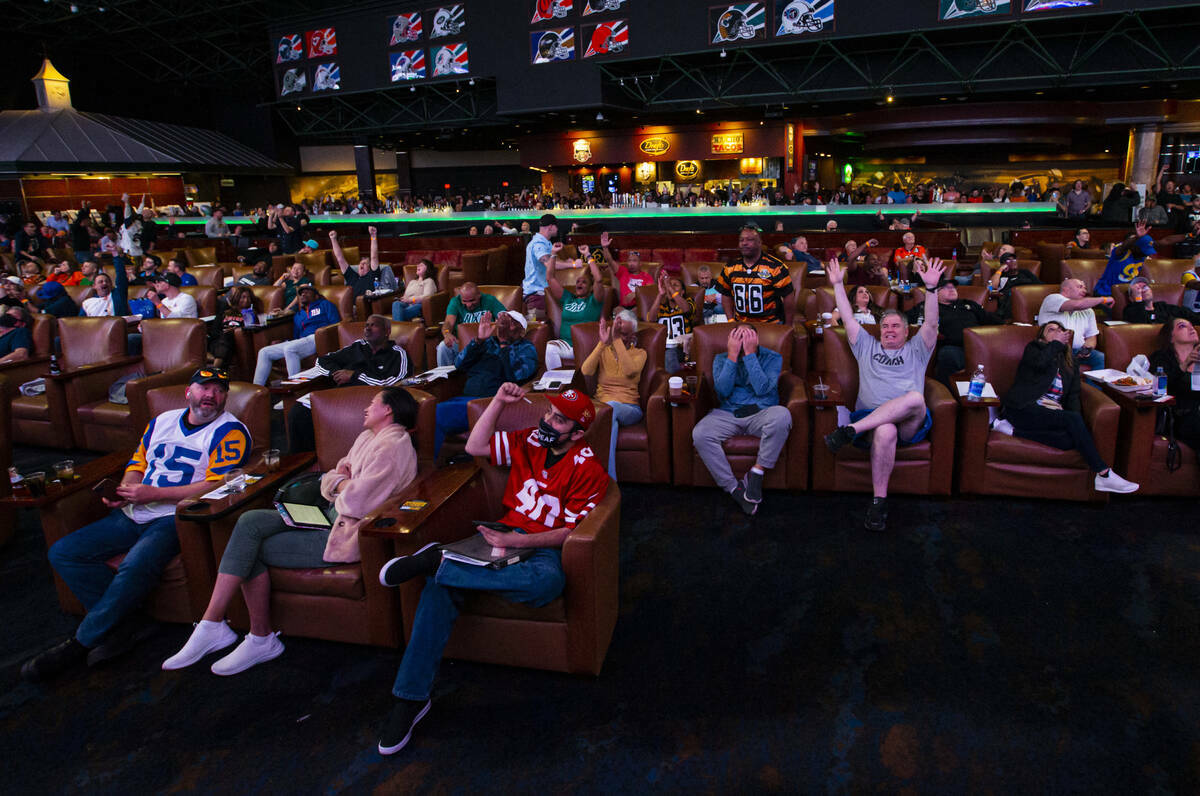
(1141, 156)
(364, 169)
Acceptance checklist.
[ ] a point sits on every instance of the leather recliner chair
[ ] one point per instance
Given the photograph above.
(339, 602)
(89, 346)
(993, 463)
(926, 468)
(1027, 301)
(573, 632)
(643, 449)
(206, 299)
(510, 296)
(172, 350)
(1141, 451)
(791, 472)
(537, 333)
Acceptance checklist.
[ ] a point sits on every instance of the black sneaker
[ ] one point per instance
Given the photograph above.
(876, 515)
(841, 436)
(54, 661)
(739, 497)
(121, 639)
(752, 484)
(404, 568)
(398, 730)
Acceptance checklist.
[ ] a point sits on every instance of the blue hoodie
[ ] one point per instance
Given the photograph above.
(1122, 269)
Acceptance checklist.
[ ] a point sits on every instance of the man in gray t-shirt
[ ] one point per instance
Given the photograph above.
(891, 384)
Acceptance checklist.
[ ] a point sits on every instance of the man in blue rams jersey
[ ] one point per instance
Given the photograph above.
(180, 455)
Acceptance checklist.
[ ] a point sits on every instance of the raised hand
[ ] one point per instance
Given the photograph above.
(372, 231)
(1142, 228)
(485, 328)
(605, 331)
(834, 272)
(333, 234)
(509, 393)
(932, 273)
(605, 239)
(584, 250)
(556, 247)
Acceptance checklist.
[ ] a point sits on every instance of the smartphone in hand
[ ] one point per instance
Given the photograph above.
(107, 489)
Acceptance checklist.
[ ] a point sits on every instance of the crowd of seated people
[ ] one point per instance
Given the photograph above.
(742, 439)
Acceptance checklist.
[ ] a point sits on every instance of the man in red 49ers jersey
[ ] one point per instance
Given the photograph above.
(757, 287)
(554, 482)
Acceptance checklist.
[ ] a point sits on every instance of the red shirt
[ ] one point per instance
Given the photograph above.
(73, 278)
(540, 499)
(917, 251)
(629, 282)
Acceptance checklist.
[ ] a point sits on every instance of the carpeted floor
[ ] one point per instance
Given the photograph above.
(979, 645)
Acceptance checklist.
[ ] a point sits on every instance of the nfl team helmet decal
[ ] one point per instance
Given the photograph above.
(451, 59)
(954, 9)
(738, 22)
(607, 38)
(294, 81)
(803, 16)
(448, 21)
(291, 48)
(550, 9)
(322, 42)
(407, 65)
(553, 45)
(405, 28)
(327, 77)
(600, 6)
(1049, 5)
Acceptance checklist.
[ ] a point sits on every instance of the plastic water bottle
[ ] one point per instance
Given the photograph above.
(376, 290)
(1160, 383)
(54, 366)
(954, 254)
(977, 384)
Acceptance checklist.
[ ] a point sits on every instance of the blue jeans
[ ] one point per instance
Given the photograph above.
(79, 558)
(446, 354)
(1095, 360)
(405, 312)
(537, 580)
(451, 419)
(623, 415)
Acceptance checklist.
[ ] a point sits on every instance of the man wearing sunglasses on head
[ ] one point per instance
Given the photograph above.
(180, 455)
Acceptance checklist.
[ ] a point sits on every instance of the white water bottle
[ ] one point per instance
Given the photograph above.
(978, 381)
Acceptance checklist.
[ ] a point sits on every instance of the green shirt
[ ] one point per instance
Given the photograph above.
(487, 303)
(577, 310)
(290, 287)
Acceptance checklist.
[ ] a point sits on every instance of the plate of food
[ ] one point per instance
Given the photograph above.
(1127, 383)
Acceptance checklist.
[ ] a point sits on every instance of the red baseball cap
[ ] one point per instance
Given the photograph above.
(576, 406)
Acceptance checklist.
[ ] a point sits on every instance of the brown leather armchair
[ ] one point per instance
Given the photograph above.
(269, 297)
(473, 267)
(314, 261)
(643, 449)
(1166, 271)
(497, 265)
(1027, 300)
(209, 276)
(201, 255)
(882, 295)
(791, 472)
(180, 596)
(1142, 453)
(926, 468)
(89, 346)
(510, 296)
(572, 633)
(441, 276)
(339, 602)
(342, 297)
(1089, 271)
(206, 299)
(172, 350)
(992, 463)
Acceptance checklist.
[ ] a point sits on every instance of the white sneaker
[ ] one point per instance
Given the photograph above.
(249, 653)
(206, 637)
(1114, 483)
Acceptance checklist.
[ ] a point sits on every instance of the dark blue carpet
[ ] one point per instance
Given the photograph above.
(979, 645)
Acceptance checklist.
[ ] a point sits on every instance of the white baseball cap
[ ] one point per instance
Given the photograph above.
(518, 317)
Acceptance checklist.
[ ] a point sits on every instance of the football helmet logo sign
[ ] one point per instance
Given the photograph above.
(450, 59)
(447, 22)
(607, 37)
(742, 21)
(294, 81)
(554, 45)
(551, 9)
(405, 28)
(291, 48)
(798, 17)
(322, 43)
(327, 77)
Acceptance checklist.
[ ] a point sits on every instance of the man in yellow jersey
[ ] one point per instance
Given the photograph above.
(756, 287)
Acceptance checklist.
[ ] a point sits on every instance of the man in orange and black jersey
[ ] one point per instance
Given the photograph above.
(756, 287)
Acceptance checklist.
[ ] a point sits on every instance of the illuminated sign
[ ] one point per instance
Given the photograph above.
(582, 150)
(751, 166)
(791, 147)
(654, 146)
(727, 144)
(687, 169)
(645, 171)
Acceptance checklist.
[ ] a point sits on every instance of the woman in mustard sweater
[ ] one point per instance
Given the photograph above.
(620, 363)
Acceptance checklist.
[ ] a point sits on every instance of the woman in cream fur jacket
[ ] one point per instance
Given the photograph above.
(381, 462)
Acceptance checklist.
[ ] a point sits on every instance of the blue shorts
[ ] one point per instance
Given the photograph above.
(864, 440)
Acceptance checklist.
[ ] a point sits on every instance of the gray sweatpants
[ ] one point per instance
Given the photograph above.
(261, 538)
(771, 425)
